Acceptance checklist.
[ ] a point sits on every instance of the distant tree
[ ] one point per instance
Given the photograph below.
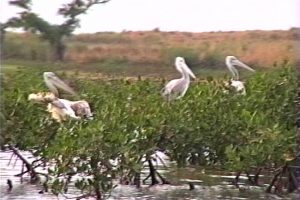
(3, 26)
(52, 33)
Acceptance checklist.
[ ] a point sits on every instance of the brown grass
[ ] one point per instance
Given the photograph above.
(260, 48)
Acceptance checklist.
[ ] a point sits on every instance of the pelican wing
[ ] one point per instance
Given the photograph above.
(53, 82)
(65, 106)
(181, 87)
(169, 87)
(175, 89)
(58, 104)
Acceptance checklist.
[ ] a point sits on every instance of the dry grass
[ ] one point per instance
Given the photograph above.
(260, 48)
(146, 52)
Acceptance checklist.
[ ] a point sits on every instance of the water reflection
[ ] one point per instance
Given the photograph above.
(207, 187)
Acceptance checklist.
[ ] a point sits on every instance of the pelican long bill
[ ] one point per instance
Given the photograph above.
(189, 71)
(53, 82)
(243, 65)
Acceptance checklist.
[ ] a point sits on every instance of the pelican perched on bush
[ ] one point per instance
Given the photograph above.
(231, 62)
(60, 109)
(177, 88)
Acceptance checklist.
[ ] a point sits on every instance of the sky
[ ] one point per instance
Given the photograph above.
(173, 15)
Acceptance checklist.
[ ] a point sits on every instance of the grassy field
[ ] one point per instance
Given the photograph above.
(152, 53)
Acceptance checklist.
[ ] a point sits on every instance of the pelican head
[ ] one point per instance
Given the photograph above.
(53, 82)
(232, 61)
(182, 67)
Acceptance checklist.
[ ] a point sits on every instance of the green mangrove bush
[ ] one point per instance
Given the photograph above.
(208, 127)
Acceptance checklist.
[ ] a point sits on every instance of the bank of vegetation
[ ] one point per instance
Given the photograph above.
(152, 53)
(253, 134)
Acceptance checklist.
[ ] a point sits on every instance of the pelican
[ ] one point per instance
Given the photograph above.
(178, 87)
(60, 109)
(231, 62)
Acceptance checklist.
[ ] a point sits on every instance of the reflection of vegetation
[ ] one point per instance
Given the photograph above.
(208, 127)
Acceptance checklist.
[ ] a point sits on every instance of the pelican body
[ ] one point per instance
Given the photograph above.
(60, 109)
(178, 87)
(231, 62)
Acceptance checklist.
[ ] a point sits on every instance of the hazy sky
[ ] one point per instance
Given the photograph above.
(175, 15)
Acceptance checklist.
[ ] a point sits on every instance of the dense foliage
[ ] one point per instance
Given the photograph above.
(208, 127)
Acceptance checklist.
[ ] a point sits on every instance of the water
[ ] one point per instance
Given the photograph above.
(207, 187)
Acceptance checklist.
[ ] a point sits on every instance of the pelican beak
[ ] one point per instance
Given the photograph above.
(243, 65)
(188, 70)
(52, 81)
(192, 74)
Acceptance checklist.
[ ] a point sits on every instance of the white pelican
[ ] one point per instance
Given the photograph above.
(60, 108)
(231, 62)
(178, 87)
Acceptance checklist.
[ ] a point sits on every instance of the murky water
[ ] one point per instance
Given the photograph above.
(206, 186)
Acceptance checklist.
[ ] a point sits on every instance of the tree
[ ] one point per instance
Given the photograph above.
(53, 33)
